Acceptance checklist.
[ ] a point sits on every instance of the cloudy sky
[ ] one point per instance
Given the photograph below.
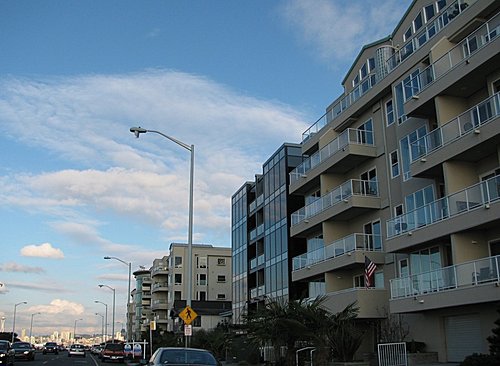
(234, 78)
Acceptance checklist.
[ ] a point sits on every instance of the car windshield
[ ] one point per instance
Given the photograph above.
(115, 347)
(51, 344)
(185, 357)
(3, 346)
(21, 345)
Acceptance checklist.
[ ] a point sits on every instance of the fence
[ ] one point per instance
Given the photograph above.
(392, 354)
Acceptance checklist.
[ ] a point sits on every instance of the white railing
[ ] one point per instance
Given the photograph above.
(353, 187)
(447, 15)
(419, 39)
(392, 354)
(470, 198)
(350, 243)
(461, 125)
(465, 274)
(477, 40)
(349, 136)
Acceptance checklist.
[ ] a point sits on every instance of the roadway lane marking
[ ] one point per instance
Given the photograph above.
(93, 359)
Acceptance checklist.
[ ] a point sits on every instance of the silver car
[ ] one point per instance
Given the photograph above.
(76, 350)
(174, 356)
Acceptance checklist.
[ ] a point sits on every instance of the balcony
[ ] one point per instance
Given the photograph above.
(455, 71)
(159, 286)
(462, 138)
(469, 208)
(159, 305)
(344, 202)
(259, 230)
(257, 292)
(446, 17)
(348, 149)
(257, 261)
(461, 284)
(371, 302)
(159, 270)
(346, 245)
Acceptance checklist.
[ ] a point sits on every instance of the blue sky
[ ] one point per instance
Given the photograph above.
(234, 78)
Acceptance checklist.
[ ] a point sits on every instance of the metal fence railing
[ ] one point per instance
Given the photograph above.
(392, 354)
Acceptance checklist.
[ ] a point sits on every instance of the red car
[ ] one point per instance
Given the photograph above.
(113, 352)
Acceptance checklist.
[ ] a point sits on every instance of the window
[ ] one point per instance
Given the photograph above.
(369, 182)
(221, 261)
(221, 278)
(363, 71)
(398, 210)
(178, 262)
(221, 296)
(373, 239)
(394, 164)
(389, 112)
(405, 144)
(429, 12)
(178, 279)
(441, 4)
(407, 34)
(201, 262)
(202, 295)
(371, 64)
(202, 279)
(365, 133)
(177, 295)
(418, 22)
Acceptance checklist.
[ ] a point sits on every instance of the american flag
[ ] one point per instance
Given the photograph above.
(370, 268)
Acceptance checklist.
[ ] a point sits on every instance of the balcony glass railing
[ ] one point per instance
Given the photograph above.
(477, 40)
(461, 125)
(470, 198)
(257, 261)
(447, 15)
(349, 136)
(364, 242)
(420, 38)
(158, 285)
(257, 291)
(159, 269)
(342, 193)
(461, 275)
(257, 231)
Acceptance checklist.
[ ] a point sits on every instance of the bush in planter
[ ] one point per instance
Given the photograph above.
(480, 360)
(415, 347)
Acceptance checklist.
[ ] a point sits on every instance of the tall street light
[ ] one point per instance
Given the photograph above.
(137, 131)
(102, 325)
(113, 324)
(106, 305)
(31, 324)
(74, 330)
(129, 264)
(14, 320)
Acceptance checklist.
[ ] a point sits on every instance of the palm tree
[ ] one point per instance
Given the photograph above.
(344, 336)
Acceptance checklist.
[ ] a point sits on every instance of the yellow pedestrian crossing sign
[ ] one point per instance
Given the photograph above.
(188, 315)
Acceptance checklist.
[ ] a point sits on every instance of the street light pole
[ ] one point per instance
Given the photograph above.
(74, 330)
(113, 317)
(106, 322)
(102, 325)
(14, 320)
(31, 324)
(137, 131)
(129, 264)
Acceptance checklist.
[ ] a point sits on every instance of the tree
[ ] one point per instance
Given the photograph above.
(344, 336)
(494, 340)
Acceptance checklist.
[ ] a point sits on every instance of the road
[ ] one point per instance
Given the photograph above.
(61, 359)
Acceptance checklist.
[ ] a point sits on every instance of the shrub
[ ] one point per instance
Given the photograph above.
(480, 360)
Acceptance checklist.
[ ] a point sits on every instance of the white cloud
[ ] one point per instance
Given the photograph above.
(85, 121)
(45, 250)
(59, 306)
(338, 29)
(16, 267)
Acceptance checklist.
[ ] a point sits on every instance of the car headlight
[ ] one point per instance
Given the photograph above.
(26, 352)
(2, 354)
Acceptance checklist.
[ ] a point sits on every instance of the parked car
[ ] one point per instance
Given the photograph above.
(7, 354)
(76, 350)
(50, 347)
(174, 356)
(23, 351)
(113, 352)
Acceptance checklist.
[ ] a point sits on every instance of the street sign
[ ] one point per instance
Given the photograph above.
(188, 315)
(188, 330)
(152, 325)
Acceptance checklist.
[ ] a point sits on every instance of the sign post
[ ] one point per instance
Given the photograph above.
(188, 315)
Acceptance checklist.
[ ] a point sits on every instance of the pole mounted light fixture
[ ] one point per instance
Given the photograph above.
(129, 265)
(139, 130)
(113, 325)
(106, 322)
(14, 319)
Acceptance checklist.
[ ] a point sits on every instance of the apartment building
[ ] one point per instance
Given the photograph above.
(403, 169)
(261, 243)
(141, 296)
(211, 284)
(159, 292)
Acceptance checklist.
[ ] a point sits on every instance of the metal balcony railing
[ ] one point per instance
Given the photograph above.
(414, 43)
(470, 198)
(350, 243)
(461, 125)
(342, 193)
(349, 136)
(460, 275)
(157, 269)
(480, 38)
